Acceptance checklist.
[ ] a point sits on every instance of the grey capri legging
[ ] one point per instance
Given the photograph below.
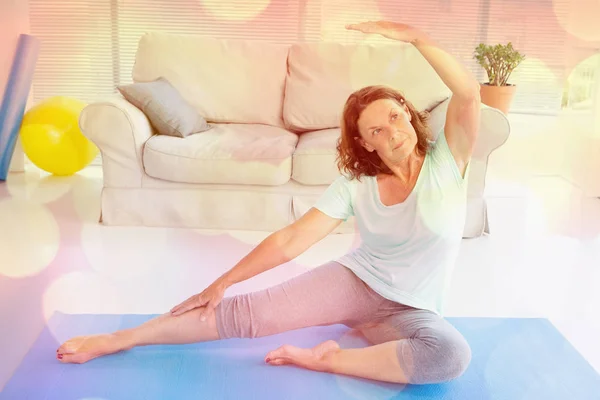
(430, 349)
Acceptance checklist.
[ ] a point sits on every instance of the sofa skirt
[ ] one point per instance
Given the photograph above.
(231, 208)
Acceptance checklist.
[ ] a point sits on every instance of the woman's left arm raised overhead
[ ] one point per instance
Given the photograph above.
(462, 118)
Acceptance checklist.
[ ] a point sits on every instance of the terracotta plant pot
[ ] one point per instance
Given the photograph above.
(499, 97)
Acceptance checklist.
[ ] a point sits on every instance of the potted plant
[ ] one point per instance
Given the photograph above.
(499, 61)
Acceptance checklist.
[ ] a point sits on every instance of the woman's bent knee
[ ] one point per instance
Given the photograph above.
(442, 359)
(455, 357)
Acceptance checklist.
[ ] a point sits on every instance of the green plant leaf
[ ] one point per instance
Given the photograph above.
(498, 61)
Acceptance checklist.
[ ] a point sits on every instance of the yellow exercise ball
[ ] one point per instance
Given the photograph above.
(51, 137)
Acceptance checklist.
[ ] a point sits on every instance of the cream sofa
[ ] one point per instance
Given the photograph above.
(275, 111)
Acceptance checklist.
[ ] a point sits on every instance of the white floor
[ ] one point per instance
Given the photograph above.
(542, 258)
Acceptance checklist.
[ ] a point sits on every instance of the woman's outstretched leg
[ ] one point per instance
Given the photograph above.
(327, 295)
(164, 329)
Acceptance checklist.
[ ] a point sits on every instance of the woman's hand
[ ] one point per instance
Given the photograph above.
(209, 299)
(388, 29)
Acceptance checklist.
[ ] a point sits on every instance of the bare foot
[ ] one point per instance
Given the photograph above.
(315, 359)
(82, 349)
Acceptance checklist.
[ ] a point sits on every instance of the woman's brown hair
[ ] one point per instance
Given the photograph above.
(352, 157)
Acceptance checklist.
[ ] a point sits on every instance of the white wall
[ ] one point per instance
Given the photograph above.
(14, 20)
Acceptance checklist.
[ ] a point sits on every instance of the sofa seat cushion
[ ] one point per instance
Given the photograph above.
(248, 154)
(314, 162)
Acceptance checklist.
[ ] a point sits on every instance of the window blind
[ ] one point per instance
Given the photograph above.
(88, 46)
(532, 27)
(277, 21)
(460, 25)
(455, 25)
(76, 49)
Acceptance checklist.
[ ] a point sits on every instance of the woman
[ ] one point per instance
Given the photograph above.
(408, 196)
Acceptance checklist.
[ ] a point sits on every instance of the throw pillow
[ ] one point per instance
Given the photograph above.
(164, 106)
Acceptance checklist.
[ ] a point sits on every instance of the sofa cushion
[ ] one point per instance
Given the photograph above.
(167, 111)
(227, 154)
(314, 161)
(223, 79)
(322, 75)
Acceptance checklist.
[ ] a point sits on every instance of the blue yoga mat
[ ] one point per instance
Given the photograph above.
(512, 359)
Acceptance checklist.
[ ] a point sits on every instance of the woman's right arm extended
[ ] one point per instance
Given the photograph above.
(283, 246)
(278, 248)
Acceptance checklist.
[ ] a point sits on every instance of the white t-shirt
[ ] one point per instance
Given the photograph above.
(409, 249)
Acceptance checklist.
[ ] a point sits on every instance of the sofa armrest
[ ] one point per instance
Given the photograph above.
(494, 129)
(120, 130)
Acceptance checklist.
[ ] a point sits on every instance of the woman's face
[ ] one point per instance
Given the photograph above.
(385, 127)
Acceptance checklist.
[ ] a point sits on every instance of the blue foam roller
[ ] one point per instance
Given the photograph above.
(15, 98)
(512, 359)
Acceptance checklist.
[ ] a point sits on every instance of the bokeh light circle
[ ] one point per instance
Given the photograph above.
(578, 93)
(124, 253)
(81, 293)
(534, 71)
(330, 248)
(37, 187)
(579, 17)
(29, 238)
(354, 12)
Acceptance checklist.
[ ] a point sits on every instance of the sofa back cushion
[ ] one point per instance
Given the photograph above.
(225, 80)
(321, 76)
